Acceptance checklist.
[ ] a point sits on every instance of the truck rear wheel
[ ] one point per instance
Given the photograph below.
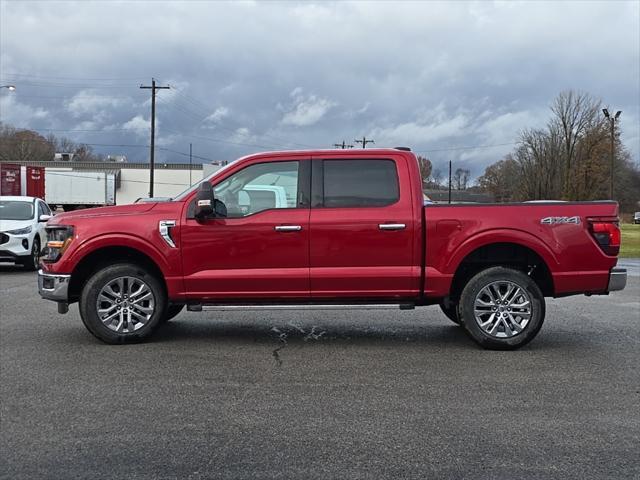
(502, 308)
(122, 303)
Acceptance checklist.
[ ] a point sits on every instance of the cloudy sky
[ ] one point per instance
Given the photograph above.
(251, 76)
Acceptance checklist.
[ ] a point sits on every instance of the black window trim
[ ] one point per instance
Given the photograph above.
(317, 181)
(304, 188)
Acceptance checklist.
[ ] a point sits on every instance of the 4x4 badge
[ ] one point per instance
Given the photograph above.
(560, 220)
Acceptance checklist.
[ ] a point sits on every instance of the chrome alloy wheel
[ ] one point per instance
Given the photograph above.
(35, 252)
(125, 304)
(502, 309)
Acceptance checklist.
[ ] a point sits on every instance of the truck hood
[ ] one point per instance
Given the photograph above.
(119, 210)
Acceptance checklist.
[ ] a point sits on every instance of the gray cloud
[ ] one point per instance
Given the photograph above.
(250, 76)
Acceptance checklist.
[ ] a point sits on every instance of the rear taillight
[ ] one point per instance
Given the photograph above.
(607, 235)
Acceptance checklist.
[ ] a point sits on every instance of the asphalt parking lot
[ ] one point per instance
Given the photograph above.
(385, 394)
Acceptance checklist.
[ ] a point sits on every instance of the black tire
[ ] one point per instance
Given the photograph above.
(32, 262)
(450, 309)
(505, 277)
(88, 304)
(172, 311)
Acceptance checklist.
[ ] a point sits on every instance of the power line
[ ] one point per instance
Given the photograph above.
(69, 85)
(72, 78)
(470, 147)
(61, 174)
(121, 145)
(342, 145)
(204, 113)
(72, 97)
(218, 140)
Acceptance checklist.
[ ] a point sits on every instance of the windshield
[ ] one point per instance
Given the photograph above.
(16, 210)
(186, 193)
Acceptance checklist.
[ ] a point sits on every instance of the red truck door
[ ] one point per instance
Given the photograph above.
(362, 228)
(261, 249)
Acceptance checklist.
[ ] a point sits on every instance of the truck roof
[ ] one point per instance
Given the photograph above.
(332, 151)
(359, 152)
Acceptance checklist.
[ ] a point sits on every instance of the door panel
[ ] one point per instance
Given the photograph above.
(261, 249)
(366, 251)
(247, 257)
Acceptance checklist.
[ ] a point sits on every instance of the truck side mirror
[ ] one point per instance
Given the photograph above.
(204, 201)
(44, 218)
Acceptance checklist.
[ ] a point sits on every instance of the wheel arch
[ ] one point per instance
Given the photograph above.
(109, 255)
(507, 254)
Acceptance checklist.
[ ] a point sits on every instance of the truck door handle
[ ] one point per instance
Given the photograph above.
(287, 228)
(392, 226)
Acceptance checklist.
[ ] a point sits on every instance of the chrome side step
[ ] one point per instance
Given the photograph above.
(303, 306)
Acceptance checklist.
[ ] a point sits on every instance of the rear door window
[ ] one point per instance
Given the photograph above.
(360, 183)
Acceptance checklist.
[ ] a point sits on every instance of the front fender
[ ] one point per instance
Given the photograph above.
(118, 240)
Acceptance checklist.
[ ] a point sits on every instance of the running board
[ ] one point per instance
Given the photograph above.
(304, 306)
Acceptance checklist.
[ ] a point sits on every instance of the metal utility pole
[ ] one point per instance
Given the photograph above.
(364, 142)
(449, 181)
(153, 88)
(190, 163)
(342, 145)
(612, 125)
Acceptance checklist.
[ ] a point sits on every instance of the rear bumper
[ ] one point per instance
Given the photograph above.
(53, 287)
(617, 279)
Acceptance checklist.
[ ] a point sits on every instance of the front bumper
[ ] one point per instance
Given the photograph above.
(617, 279)
(14, 246)
(53, 286)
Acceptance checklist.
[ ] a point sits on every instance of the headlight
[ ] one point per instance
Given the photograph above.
(20, 231)
(60, 237)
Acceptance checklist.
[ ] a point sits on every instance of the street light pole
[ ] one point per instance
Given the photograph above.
(612, 121)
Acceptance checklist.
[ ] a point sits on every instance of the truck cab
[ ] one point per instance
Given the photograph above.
(327, 229)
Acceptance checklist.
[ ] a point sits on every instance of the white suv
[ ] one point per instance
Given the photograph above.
(22, 233)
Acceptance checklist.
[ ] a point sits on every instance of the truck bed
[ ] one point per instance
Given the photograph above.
(557, 232)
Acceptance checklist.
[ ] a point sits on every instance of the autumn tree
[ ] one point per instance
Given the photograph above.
(569, 159)
(27, 145)
(425, 168)
(502, 180)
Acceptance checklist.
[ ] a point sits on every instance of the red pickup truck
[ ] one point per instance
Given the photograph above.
(328, 229)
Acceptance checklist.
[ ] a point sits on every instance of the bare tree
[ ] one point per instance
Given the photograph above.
(569, 159)
(575, 113)
(460, 179)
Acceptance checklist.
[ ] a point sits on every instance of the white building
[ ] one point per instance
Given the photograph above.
(132, 179)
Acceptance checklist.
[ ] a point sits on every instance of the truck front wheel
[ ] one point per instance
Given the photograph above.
(450, 309)
(172, 311)
(122, 303)
(502, 308)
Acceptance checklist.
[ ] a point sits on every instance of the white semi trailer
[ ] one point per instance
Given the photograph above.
(72, 190)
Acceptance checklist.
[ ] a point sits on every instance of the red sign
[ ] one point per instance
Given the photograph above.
(9, 179)
(35, 182)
